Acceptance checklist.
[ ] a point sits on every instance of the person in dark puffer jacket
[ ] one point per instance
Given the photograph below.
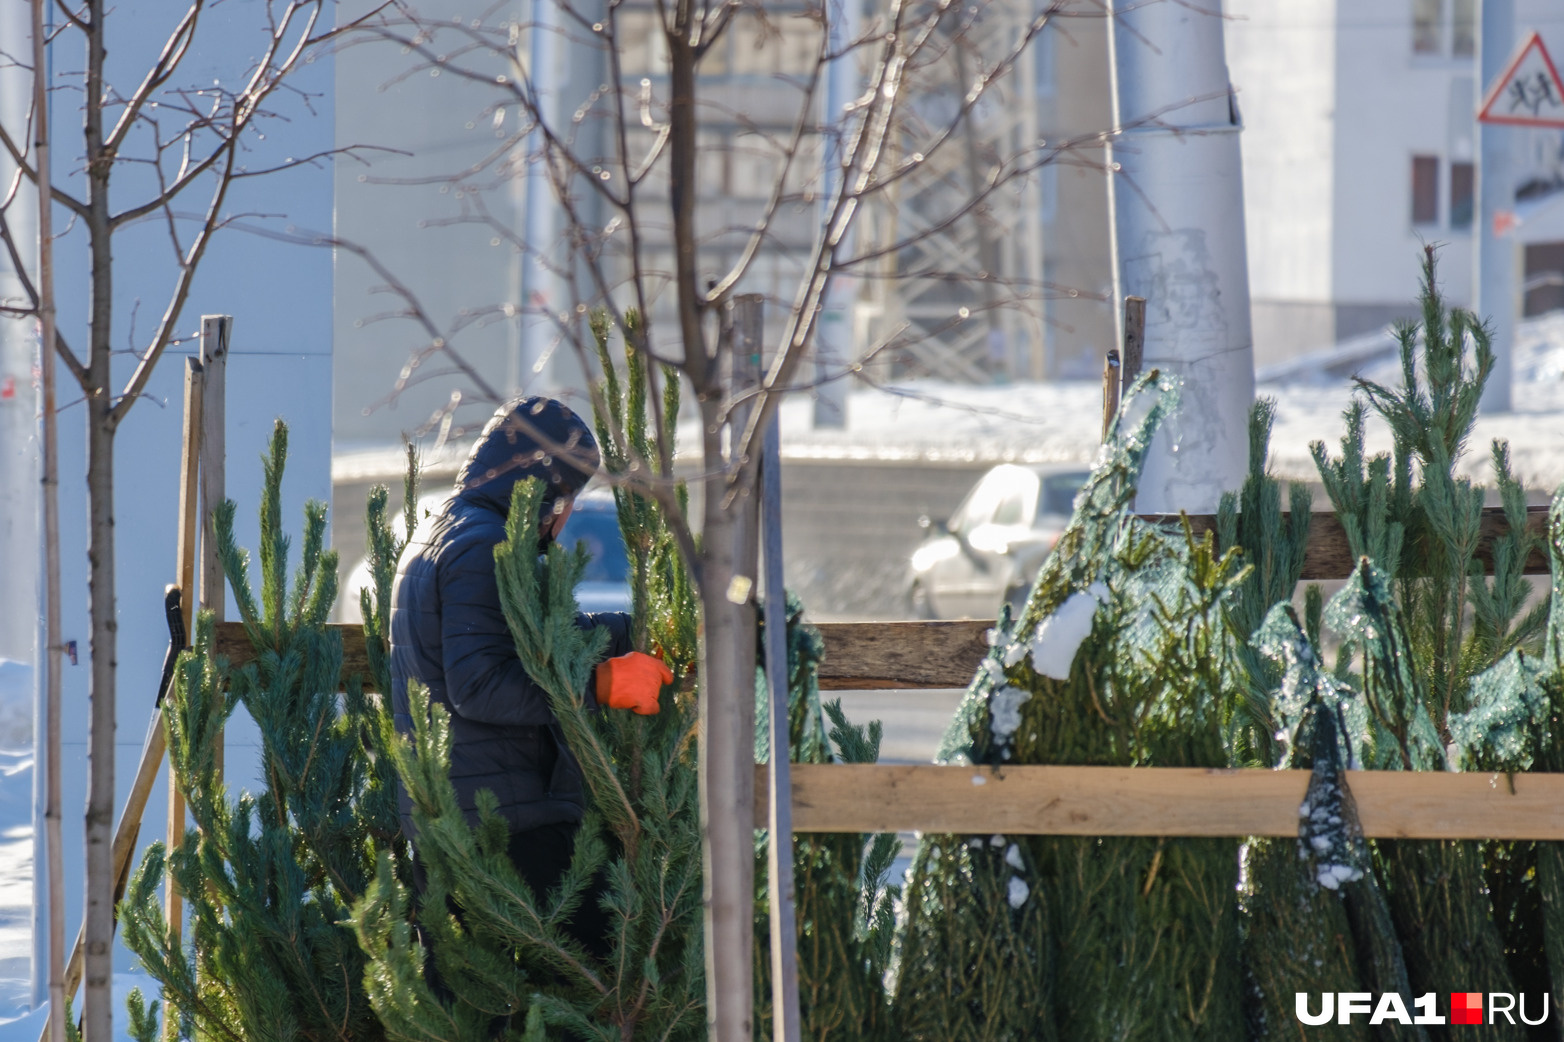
(449, 632)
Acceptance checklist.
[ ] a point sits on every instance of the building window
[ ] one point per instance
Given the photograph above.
(1425, 190)
(1444, 27)
(1463, 28)
(1544, 286)
(1463, 181)
(1428, 17)
(643, 47)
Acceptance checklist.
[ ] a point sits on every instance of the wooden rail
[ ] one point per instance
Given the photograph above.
(1327, 555)
(1162, 801)
(859, 656)
(1104, 801)
(880, 656)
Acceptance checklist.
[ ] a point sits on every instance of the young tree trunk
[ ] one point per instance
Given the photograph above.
(728, 773)
(727, 761)
(98, 1013)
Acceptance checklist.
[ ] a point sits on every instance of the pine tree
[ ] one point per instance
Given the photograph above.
(1424, 623)
(269, 878)
(844, 907)
(1517, 724)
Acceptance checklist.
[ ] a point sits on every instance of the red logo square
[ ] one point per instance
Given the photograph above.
(1466, 1007)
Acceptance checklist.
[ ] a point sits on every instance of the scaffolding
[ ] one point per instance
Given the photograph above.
(962, 300)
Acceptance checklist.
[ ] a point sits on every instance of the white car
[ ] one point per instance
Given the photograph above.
(990, 550)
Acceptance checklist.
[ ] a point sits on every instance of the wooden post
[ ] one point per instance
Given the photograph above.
(189, 471)
(785, 1016)
(1111, 384)
(215, 333)
(1133, 356)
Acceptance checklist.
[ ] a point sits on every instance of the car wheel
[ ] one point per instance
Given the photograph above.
(918, 603)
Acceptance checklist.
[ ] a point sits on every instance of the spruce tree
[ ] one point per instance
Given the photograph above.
(505, 963)
(1296, 934)
(1121, 657)
(269, 877)
(1517, 724)
(843, 906)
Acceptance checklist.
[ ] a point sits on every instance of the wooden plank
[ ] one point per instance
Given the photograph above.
(1134, 340)
(1110, 392)
(185, 566)
(867, 656)
(216, 331)
(1165, 801)
(1327, 555)
(870, 656)
(860, 656)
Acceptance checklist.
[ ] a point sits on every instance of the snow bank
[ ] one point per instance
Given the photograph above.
(18, 1024)
(932, 421)
(16, 885)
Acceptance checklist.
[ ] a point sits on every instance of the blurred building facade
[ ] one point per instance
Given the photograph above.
(444, 195)
(1360, 146)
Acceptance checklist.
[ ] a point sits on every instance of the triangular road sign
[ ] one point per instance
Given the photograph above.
(1528, 92)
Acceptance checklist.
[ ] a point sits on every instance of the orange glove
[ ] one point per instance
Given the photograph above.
(632, 682)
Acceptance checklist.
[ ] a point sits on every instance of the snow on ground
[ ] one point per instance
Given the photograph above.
(19, 1023)
(16, 882)
(1060, 422)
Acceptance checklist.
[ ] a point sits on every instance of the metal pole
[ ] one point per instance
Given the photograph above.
(1494, 298)
(541, 293)
(1176, 195)
(834, 331)
(785, 1017)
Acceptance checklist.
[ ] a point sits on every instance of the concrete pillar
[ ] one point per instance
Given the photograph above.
(1176, 196)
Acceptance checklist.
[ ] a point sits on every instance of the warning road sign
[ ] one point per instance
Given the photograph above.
(1528, 92)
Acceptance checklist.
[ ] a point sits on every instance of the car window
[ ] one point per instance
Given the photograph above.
(1057, 494)
(1017, 490)
(978, 508)
(598, 531)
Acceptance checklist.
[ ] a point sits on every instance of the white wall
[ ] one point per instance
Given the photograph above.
(1390, 106)
(18, 405)
(1281, 61)
(1335, 106)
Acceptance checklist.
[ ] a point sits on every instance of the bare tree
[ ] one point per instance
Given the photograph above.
(186, 143)
(631, 164)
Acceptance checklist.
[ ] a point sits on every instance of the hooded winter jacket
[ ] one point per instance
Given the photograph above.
(448, 631)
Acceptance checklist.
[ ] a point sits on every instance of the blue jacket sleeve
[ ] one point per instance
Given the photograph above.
(617, 623)
(484, 679)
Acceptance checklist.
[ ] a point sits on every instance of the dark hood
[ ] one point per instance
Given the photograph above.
(533, 437)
